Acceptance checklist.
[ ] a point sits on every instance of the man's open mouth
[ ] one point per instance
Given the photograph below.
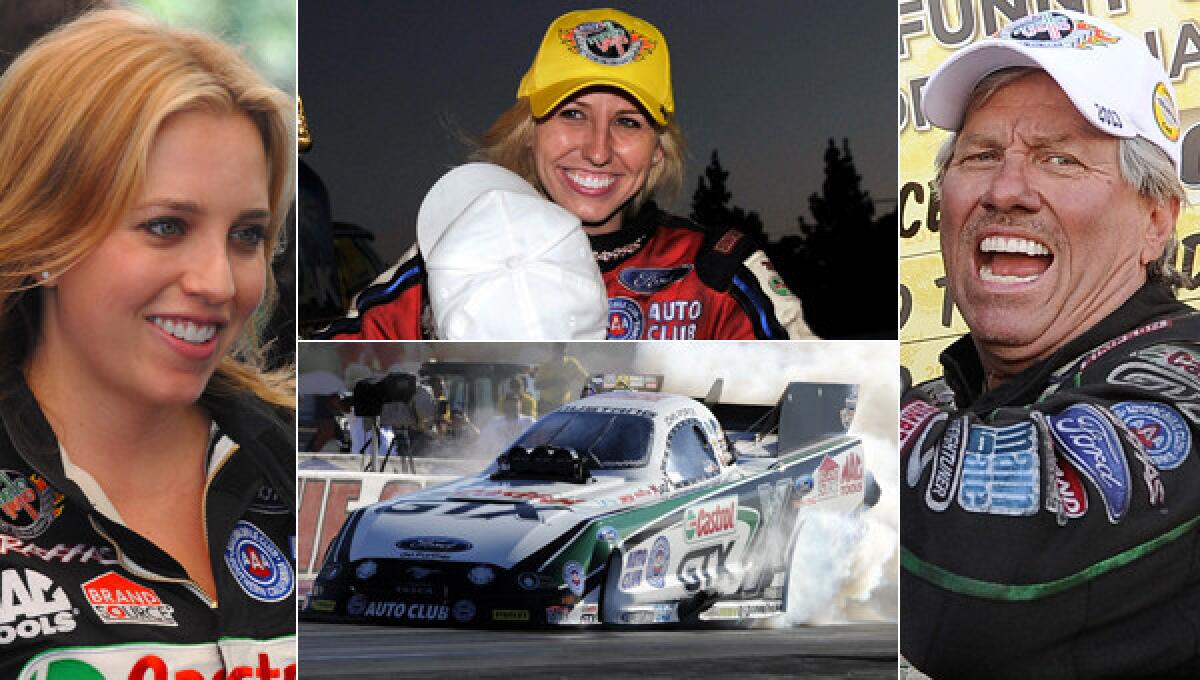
(1011, 259)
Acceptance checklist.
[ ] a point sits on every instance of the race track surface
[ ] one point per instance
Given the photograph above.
(364, 652)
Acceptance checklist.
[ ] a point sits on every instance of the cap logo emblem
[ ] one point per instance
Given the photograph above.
(1164, 112)
(607, 43)
(1053, 29)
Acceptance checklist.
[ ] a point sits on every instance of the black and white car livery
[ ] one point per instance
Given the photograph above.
(622, 508)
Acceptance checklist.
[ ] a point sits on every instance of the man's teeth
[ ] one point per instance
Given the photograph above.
(592, 181)
(186, 330)
(1008, 244)
(985, 273)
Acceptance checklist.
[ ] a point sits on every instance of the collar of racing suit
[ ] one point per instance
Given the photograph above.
(614, 248)
(964, 371)
(256, 427)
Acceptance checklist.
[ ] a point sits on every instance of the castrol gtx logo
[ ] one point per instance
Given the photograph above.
(710, 520)
(31, 606)
(229, 660)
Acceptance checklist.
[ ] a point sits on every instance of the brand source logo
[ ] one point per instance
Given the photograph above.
(116, 599)
(31, 605)
(710, 520)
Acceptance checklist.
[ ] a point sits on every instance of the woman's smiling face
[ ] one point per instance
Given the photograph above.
(148, 314)
(593, 154)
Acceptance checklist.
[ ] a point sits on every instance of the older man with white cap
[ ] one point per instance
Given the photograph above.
(1051, 504)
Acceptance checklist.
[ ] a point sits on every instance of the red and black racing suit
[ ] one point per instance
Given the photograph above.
(83, 597)
(1050, 525)
(667, 278)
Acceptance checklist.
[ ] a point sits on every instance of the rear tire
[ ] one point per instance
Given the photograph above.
(609, 613)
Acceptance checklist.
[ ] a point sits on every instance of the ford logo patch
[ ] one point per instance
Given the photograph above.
(651, 279)
(434, 544)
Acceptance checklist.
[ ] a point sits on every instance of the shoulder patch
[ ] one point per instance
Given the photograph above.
(1093, 447)
(1001, 470)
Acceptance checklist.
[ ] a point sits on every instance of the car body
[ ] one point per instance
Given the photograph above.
(623, 508)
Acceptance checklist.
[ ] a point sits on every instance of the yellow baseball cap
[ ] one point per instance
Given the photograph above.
(600, 47)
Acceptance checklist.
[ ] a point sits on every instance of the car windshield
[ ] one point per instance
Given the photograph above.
(611, 440)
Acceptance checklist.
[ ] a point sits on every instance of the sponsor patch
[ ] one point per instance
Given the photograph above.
(852, 473)
(27, 504)
(116, 599)
(322, 605)
(657, 562)
(356, 605)
(59, 552)
(1121, 339)
(1160, 428)
(1091, 444)
(231, 659)
(463, 611)
(1164, 112)
(1158, 375)
(727, 242)
(651, 279)
(1000, 470)
(607, 43)
(919, 457)
(1054, 29)
(711, 520)
(624, 319)
(434, 544)
(636, 559)
(947, 464)
(267, 502)
(828, 474)
(1071, 494)
(778, 286)
(403, 611)
(510, 614)
(556, 614)
(259, 567)
(914, 416)
(573, 577)
(631, 580)
(32, 605)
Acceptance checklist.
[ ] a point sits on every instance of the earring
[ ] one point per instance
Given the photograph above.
(45, 276)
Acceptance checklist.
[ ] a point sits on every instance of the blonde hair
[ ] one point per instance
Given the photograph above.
(79, 111)
(509, 143)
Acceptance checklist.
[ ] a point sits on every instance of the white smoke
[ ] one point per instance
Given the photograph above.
(844, 568)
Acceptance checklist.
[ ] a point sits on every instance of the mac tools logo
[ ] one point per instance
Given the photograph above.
(31, 605)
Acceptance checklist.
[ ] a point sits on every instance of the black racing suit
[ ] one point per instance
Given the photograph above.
(1049, 525)
(82, 597)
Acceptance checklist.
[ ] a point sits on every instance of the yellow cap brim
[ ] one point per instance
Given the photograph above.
(551, 97)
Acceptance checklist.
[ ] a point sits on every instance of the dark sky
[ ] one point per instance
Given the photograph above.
(389, 84)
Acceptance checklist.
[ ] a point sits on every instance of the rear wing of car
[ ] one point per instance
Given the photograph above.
(637, 382)
(805, 412)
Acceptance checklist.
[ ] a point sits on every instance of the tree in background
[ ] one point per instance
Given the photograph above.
(710, 203)
(843, 263)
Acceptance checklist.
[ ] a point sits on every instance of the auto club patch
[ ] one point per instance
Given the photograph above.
(1000, 470)
(1091, 444)
(257, 565)
(625, 319)
(606, 42)
(1160, 428)
(27, 504)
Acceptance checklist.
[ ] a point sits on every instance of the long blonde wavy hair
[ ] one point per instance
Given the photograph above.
(79, 111)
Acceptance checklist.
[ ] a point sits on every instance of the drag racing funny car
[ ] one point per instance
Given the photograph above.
(621, 508)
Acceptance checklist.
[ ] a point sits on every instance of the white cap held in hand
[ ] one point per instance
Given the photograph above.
(504, 263)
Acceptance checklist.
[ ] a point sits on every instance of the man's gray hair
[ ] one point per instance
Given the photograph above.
(1144, 166)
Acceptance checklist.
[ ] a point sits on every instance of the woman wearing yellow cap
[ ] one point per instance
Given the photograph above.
(594, 130)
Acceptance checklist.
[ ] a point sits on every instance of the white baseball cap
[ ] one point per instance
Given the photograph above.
(504, 263)
(1109, 75)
